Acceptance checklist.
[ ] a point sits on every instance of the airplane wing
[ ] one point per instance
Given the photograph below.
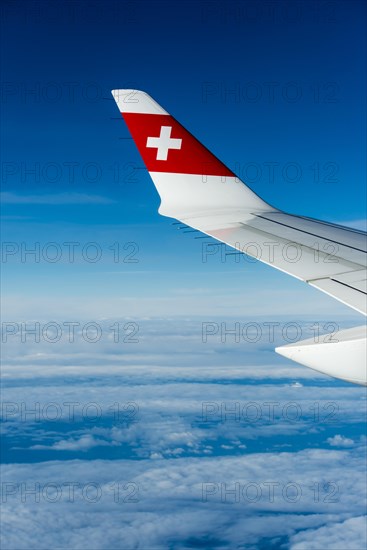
(201, 192)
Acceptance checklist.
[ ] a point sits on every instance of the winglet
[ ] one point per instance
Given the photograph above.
(190, 180)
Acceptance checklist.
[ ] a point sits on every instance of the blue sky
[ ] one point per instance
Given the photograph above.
(277, 91)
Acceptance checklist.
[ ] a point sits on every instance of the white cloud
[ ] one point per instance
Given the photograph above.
(54, 199)
(350, 534)
(340, 441)
(187, 499)
(84, 443)
(169, 375)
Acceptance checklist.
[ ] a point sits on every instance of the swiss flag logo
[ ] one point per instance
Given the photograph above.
(166, 146)
(164, 142)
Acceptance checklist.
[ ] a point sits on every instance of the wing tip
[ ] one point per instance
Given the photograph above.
(136, 101)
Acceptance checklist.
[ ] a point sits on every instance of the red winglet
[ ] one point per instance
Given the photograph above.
(166, 146)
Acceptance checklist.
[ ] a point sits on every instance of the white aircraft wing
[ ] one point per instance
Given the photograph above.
(200, 191)
(328, 257)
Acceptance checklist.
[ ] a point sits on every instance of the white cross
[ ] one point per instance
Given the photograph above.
(164, 143)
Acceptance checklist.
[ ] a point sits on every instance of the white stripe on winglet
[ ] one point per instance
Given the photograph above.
(187, 195)
(135, 101)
